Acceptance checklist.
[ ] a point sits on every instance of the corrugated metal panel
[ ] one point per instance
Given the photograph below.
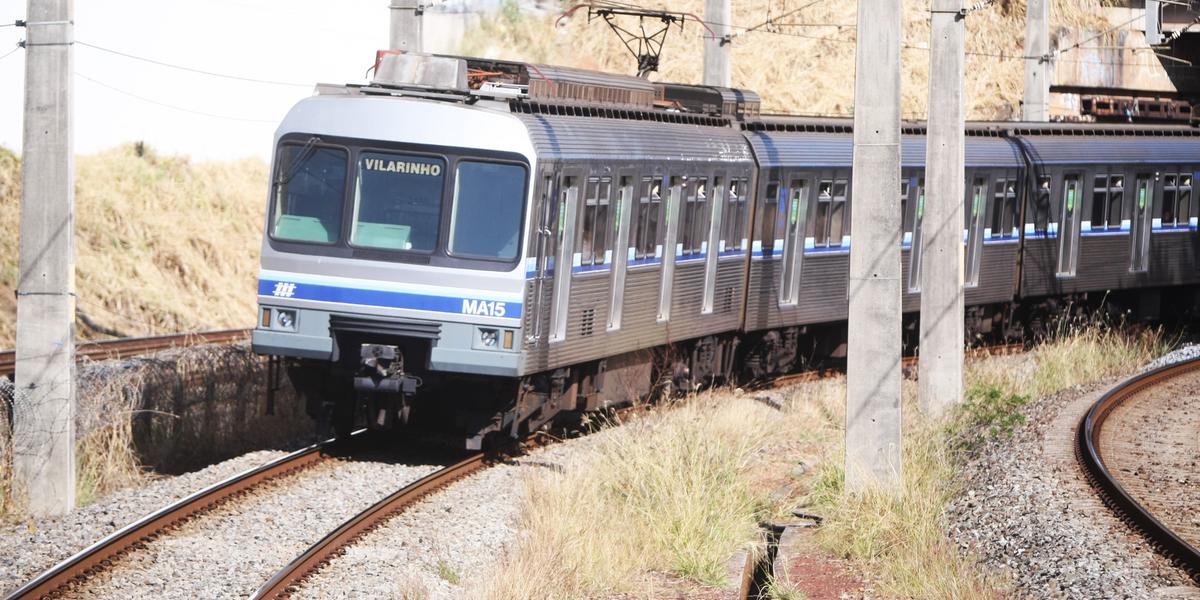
(582, 138)
(1076, 150)
(834, 150)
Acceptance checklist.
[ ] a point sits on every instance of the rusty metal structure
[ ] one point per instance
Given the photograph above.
(126, 347)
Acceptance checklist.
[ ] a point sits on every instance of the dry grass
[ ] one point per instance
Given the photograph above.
(900, 536)
(811, 75)
(162, 244)
(681, 490)
(676, 492)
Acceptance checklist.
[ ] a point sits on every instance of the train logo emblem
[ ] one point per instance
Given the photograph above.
(284, 290)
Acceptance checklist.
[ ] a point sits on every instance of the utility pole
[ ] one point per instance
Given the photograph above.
(873, 447)
(1036, 106)
(406, 25)
(44, 395)
(717, 14)
(941, 346)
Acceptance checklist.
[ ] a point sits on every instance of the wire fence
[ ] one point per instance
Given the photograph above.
(170, 412)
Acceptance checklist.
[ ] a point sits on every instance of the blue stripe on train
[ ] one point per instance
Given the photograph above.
(390, 299)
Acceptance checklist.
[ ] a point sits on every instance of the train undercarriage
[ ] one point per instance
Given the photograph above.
(379, 381)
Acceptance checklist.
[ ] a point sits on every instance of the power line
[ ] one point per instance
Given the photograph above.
(170, 106)
(191, 69)
(10, 52)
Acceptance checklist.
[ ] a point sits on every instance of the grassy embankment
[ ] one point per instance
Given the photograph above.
(162, 245)
(680, 491)
(811, 69)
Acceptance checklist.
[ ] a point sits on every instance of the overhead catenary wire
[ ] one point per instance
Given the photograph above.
(191, 69)
(171, 106)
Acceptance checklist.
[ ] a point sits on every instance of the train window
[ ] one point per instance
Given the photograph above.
(735, 217)
(831, 222)
(310, 186)
(770, 210)
(1041, 205)
(593, 238)
(1107, 194)
(485, 220)
(696, 219)
(649, 207)
(905, 224)
(1177, 199)
(398, 201)
(1004, 207)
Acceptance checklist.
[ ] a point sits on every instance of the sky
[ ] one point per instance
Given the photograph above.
(297, 41)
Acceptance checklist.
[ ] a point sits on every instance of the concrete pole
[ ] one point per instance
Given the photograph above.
(941, 346)
(873, 454)
(717, 48)
(406, 25)
(44, 397)
(1036, 106)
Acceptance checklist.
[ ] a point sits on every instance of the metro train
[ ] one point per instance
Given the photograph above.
(482, 245)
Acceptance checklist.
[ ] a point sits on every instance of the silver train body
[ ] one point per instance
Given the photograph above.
(426, 248)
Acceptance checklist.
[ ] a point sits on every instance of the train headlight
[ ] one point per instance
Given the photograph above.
(489, 337)
(286, 319)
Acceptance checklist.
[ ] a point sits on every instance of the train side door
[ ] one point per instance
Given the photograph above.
(711, 248)
(1068, 227)
(977, 204)
(1140, 223)
(796, 218)
(543, 251)
(671, 216)
(564, 237)
(917, 199)
(622, 211)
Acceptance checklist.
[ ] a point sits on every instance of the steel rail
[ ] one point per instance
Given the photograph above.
(126, 347)
(101, 554)
(288, 579)
(1091, 457)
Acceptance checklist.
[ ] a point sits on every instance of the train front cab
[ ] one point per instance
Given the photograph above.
(391, 270)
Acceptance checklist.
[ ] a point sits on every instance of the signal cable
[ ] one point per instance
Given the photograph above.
(10, 52)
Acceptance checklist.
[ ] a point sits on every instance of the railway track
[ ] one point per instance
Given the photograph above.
(102, 554)
(287, 580)
(1121, 439)
(125, 347)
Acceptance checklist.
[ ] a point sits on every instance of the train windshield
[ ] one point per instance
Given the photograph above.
(485, 221)
(397, 202)
(309, 188)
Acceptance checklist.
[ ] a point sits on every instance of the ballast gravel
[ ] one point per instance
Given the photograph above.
(1187, 352)
(35, 546)
(1027, 511)
(440, 548)
(231, 551)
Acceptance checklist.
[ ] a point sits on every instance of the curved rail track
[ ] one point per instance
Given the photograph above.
(126, 347)
(1091, 453)
(103, 553)
(288, 580)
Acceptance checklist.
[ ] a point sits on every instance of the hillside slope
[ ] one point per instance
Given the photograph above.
(162, 244)
(805, 69)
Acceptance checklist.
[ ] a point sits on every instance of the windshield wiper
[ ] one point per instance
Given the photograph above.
(305, 153)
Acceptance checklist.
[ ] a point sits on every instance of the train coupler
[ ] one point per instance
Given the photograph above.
(383, 386)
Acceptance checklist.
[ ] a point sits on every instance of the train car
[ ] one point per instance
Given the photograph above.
(483, 245)
(1111, 211)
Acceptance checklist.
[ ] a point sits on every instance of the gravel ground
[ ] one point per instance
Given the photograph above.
(34, 547)
(1026, 510)
(1186, 352)
(440, 547)
(231, 551)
